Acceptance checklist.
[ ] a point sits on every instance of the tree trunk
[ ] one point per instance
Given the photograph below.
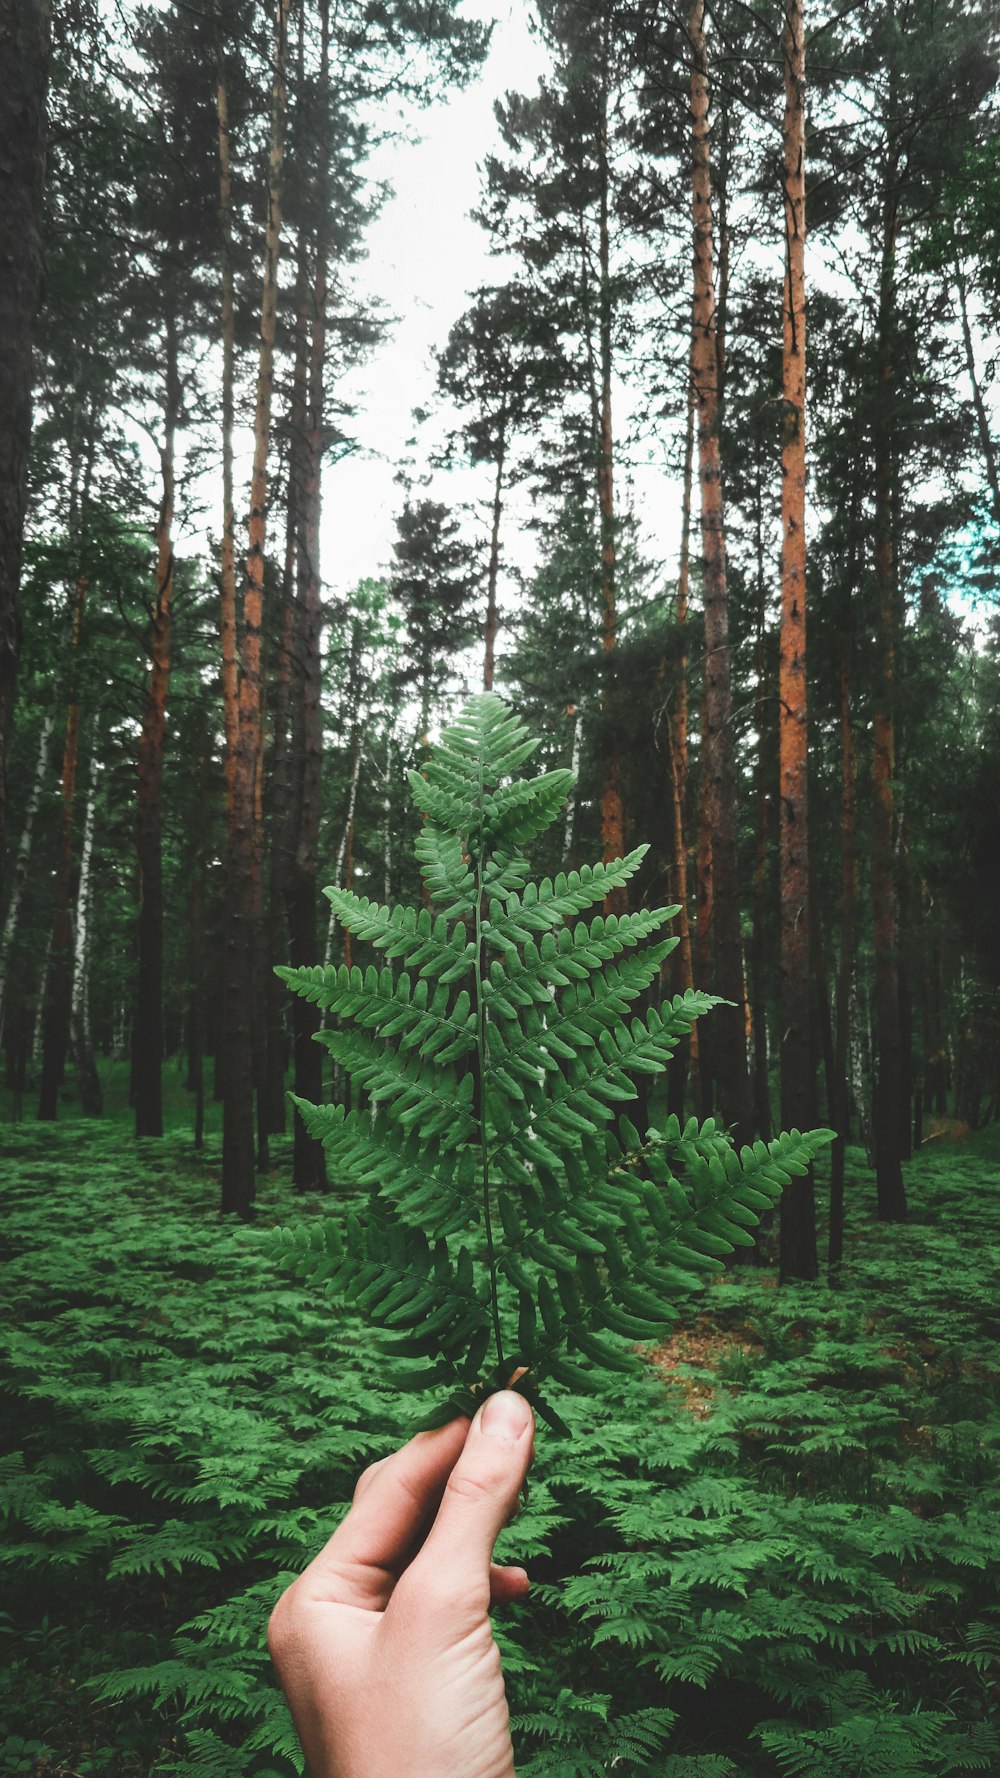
(56, 998)
(612, 808)
(840, 1105)
(576, 711)
(719, 894)
(891, 1193)
(24, 43)
(23, 858)
(279, 790)
(340, 862)
(147, 1036)
(227, 555)
(196, 994)
(494, 562)
(88, 1081)
(685, 1059)
(798, 1073)
(308, 1158)
(241, 935)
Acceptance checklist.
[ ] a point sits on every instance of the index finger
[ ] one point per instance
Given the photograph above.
(394, 1502)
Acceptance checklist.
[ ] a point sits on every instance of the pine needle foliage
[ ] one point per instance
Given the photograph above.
(519, 1230)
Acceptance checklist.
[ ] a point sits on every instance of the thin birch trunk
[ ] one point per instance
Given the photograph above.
(88, 1081)
(574, 766)
(612, 808)
(493, 571)
(357, 755)
(685, 1061)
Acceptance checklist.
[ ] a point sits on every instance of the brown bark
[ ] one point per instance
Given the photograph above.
(890, 1190)
(241, 934)
(718, 893)
(798, 1257)
(24, 49)
(147, 1036)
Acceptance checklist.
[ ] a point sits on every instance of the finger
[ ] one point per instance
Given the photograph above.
(394, 1501)
(507, 1584)
(480, 1493)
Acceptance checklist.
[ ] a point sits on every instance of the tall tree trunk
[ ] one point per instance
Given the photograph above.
(227, 556)
(685, 1060)
(840, 1105)
(576, 711)
(88, 1081)
(147, 1035)
(493, 570)
(719, 895)
(798, 1072)
(279, 791)
(196, 994)
(24, 50)
(763, 695)
(340, 878)
(308, 1158)
(56, 996)
(612, 808)
(241, 934)
(891, 1192)
(19, 876)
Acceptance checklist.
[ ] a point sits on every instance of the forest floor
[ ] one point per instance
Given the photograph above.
(773, 1552)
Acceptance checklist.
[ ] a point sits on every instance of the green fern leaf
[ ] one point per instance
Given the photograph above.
(510, 1239)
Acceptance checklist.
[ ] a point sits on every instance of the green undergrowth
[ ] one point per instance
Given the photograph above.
(773, 1552)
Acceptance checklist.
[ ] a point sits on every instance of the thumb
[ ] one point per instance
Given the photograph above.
(479, 1497)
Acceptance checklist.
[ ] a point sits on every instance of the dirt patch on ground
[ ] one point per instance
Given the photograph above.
(701, 1348)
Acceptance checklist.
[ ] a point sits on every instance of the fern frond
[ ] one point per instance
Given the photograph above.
(512, 1209)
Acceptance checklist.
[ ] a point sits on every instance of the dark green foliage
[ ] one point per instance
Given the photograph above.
(778, 1539)
(512, 1210)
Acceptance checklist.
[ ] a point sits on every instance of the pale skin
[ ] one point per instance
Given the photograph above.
(383, 1645)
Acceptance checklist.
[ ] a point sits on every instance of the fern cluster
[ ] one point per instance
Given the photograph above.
(518, 1229)
(796, 1552)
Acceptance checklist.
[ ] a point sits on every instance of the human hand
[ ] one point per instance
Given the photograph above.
(383, 1645)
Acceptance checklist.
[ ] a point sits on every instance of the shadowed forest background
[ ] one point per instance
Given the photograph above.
(762, 250)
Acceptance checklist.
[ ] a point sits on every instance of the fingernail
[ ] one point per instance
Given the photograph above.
(505, 1415)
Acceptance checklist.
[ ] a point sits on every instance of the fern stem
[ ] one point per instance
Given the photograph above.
(481, 1083)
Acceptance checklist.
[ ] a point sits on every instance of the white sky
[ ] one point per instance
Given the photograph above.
(425, 257)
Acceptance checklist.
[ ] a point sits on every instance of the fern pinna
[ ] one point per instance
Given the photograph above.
(518, 1230)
